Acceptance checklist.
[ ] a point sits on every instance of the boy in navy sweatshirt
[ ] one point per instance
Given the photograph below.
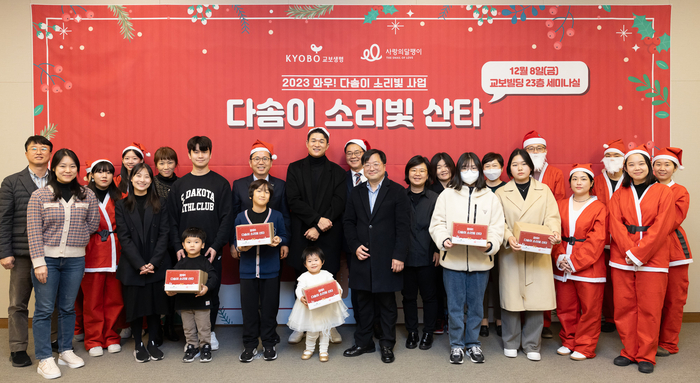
(259, 272)
(194, 308)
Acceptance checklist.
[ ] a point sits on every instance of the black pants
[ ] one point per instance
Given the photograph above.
(414, 279)
(388, 314)
(214, 312)
(259, 305)
(153, 322)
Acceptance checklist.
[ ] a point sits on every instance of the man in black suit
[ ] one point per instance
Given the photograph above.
(261, 158)
(354, 149)
(316, 195)
(377, 225)
(14, 246)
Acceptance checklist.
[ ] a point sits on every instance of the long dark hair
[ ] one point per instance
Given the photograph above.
(456, 181)
(112, 189)
(434, 163)
(152, 198)
(124, 173)
(75, 187)
(650, 179)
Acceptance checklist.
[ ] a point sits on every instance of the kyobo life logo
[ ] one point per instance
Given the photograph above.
(308, 58)
(372, 54)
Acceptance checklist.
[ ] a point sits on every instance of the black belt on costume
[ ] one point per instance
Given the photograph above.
(571, 240)
(104, 234)
(636, 229)
(684, 244)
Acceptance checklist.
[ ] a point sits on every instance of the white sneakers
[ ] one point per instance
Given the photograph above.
(95, 351)
(297, 336)
(214, 342)
(126, 333)
(563, 350)
(510, 353)
(577, 356)
(534, 356)
(114, 348)
(335, 336)
(68, 358)
(48, 369)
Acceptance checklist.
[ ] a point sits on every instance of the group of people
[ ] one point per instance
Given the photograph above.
(618, 251)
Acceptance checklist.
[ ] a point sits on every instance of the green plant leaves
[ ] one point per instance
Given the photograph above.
(665, 43)
(606, 8)
(389, 9)
(662, 114)
(643, 26)
(38, 110)
(371, 16)
(662, 64)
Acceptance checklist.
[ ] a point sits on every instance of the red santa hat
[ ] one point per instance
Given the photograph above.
(359, 142)
(318, 129)
(91, 165)
(531, 138)
(586, 168)
(670, 153)
(135, 146)
(262, 146)
(615, 146)
(641, 149)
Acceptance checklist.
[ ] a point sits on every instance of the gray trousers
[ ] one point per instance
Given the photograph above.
(197, 327)
(527, 332)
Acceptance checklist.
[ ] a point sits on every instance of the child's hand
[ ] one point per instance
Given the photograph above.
(170, 293)
(244, 249)
(276, 241)
(203, 291)
(303, 300)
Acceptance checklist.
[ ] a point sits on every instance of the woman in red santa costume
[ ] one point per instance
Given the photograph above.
(642, 215)
(604, 185)
(102, 292)
(665, 164)
(579, 266)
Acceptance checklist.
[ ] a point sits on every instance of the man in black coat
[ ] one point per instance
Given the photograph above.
(377, 226)
(261, 158)
(15, 192)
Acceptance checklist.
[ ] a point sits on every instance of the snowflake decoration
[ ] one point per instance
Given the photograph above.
(410, 13)
(481, 11)
(635, 47)
(395, 26)
(624, 33)
(63, 31)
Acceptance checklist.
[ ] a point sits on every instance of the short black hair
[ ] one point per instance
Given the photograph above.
(313, 250)
(590, 178)
(456, 181)
(526, 157)
(490, 156)
(318, 130)
(40, 140)
(434, 163)
(258, 183)
(371, 152)
(194, 232)
(203, 141)
(627, 180)
(413, 162)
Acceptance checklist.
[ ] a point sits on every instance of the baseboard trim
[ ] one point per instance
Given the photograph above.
(687, 318)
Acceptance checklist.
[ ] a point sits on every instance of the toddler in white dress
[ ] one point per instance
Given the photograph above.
(317, 322)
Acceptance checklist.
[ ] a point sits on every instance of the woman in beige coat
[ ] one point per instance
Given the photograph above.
(526, 280)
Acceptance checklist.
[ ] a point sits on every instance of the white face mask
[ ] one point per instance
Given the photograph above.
(613, 164)
(492, 174)
(538, 159)
(469, 176)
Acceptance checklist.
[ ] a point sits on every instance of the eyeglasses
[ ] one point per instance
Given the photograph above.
(356, 153)
(536, 149)
(34, 149)
(418, 171)
(257, 160)
(374, 165)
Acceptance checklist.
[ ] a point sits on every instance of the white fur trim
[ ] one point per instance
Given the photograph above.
(319, 128)
(97, 162)
(357, 142)
(667, 157)
(535, 140)
(581, 170)
(131, 147)
(613, 150)
(637, 151)
(260, 149)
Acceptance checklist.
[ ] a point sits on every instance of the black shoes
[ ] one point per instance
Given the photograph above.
(270, 353)
(427, 342)
(412, 340)
(608, 327)
(357, 350)
(192, 352)
(140, 353)
(205, 356)
(547, 333)
(387, 355)
(499, 330)
(660, 351)
(20, 359)
(248, 355)
(457, 356)
(484, 331)
(646, 367)
(622, 361)
(156, 353)
(475, 354)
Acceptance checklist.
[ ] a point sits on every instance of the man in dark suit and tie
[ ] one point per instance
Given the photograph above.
(354, 149)
(14, 246)
(377, 226)
(261, 157)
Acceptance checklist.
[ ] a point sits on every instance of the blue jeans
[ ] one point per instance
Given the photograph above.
(61, 287)
(465, 287)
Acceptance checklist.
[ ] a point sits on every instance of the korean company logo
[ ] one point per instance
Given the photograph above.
(313, 58)
(372, 54)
